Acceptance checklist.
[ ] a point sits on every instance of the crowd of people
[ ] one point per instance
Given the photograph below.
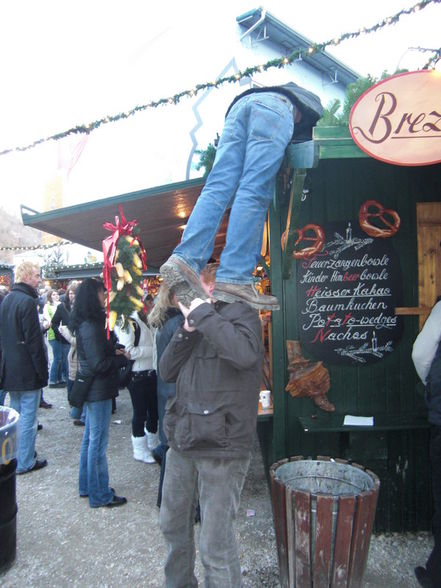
(49, 337)
(157, 342)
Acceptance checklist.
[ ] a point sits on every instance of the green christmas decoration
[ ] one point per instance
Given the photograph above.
(206, 157)
(124, 262)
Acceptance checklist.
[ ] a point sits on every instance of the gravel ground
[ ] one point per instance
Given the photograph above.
(62, 542)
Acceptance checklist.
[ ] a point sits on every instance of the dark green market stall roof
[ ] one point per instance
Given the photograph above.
(161, 212)
(74, 272)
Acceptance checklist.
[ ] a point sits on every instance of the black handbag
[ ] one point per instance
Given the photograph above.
(80, 389)
(125, 372)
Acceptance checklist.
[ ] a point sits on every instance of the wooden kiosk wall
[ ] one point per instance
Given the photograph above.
(388, 389)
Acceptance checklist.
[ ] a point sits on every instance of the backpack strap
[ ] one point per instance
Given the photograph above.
(137, 330)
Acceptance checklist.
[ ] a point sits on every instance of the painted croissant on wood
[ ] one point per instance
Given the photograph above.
(307, 378)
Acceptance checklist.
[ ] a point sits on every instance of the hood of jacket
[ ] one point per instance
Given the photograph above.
(308, 102)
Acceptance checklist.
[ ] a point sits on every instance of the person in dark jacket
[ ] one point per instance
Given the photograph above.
(259, 125)
(24, 370)
(426, 355)
(216, 361)
(2, 392)
(98, 359)
(165, 318)
(62, 317)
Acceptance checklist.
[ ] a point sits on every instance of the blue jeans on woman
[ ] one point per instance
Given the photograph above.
(56, 369)
(94, 475)
(257, 131)
(26, 404)
(64, 363)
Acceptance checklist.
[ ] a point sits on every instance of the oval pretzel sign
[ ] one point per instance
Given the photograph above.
(399, 119)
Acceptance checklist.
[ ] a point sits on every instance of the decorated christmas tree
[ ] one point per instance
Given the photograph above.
(124, 262)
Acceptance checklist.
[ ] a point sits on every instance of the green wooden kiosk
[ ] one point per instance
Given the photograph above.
(331, 179)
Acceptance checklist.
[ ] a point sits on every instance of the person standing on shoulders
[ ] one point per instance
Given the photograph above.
(426, 355)
(259, 125)
(24, 370)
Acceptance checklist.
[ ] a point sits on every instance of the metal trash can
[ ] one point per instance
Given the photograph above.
(324, 511)
(8, 506)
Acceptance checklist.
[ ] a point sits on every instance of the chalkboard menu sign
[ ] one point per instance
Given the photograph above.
(347, 295)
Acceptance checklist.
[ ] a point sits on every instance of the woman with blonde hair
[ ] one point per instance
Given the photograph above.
(164, 318)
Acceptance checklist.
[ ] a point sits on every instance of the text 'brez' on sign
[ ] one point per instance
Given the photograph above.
(398, 120)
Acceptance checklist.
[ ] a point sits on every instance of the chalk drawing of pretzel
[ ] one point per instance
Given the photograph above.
(390, 219)
(317, 238)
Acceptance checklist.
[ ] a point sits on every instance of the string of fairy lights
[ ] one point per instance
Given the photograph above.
(436, 57)
(249, 71)
(34, 247)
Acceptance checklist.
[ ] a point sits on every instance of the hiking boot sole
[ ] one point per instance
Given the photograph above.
(227, 297)
(175, 271)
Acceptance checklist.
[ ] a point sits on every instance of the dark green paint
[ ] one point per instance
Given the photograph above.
(397, 449)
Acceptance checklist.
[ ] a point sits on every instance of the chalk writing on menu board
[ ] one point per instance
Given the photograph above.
(347, 296)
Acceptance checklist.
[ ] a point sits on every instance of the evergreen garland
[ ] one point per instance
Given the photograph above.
(206, 157)
(331, 117)
(281, 62)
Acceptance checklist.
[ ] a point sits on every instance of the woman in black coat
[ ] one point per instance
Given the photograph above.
(97, 359)
(62, 317)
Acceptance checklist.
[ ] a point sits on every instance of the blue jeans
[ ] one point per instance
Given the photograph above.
(64, 363)
(26, 403)
(257, 131)
(2, 397)
(218, 483)
(55, 371)
(94, 475)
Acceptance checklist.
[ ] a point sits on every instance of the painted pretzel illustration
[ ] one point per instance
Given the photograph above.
(318, 239)
(388, 217)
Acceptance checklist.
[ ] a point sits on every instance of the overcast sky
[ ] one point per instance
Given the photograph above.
(66, 63)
